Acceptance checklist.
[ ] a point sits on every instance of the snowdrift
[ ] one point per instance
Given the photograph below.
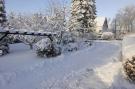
(128, 47)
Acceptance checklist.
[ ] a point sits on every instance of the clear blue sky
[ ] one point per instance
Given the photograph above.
(106, 8)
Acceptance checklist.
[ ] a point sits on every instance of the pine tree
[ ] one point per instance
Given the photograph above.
(2, 13)
(83, 16)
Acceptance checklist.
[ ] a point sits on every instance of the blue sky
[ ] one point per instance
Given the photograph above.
(106, 8)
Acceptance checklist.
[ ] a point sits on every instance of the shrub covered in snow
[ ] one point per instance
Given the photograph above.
(67, 37)
(70, 47)
(68, 42)
(85, 44)
(129, 68)
(29, 40)
(107, 36)
(4, 49)
(45, 48)
(74, 46)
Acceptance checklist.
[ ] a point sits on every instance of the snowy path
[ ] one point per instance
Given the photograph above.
(23, 70)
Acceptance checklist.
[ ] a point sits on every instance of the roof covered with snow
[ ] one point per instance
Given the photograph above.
(100, 21)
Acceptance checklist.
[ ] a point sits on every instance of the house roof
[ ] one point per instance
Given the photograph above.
(100, 21)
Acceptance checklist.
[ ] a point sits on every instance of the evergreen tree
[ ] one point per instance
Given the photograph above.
(83, 16)
(2, 13)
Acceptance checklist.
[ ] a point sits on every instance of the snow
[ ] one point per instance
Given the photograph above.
(96, 67)
(43, 44)
(128, 46)
(106, 77)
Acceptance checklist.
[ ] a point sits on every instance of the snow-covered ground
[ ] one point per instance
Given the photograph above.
(96, 67)
(128, 46)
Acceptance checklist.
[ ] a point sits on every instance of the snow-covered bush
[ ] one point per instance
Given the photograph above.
(71, 42)
(107, 36)
(70, 47)
(67, 37)
(45, 48)
(129, 68)
(85, 44)
(13, 39)
(4, 49)
(78, 45)
(26, 39)
(29, 40)
(68, 42)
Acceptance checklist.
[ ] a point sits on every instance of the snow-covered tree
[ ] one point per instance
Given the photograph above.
(13, 21)
(83, 16)
(3, 42)
(3, 18)
(124, 21)
(16, 21)
(94, 8)
(37, 22)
